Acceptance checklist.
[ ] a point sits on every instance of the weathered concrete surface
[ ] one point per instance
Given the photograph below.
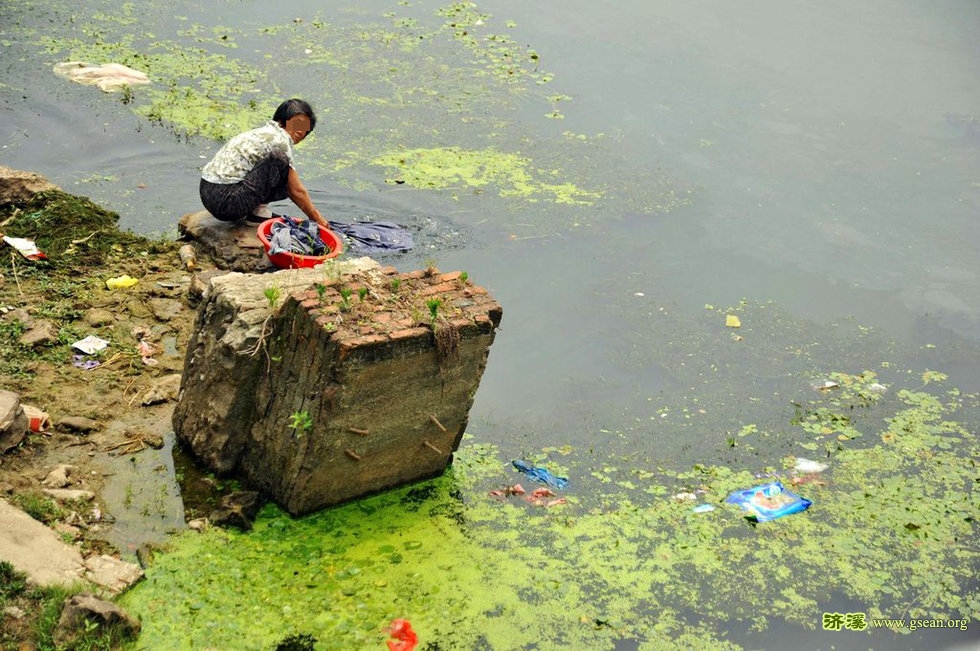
(327, 398)
(40, 553)
(17, 186)
(112, 574)
(216, 404)
(232, 246)
(37, 551)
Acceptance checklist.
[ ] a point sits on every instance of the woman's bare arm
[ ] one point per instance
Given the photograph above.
(297, 192)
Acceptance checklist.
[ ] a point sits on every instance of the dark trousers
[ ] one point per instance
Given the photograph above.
(266, 183)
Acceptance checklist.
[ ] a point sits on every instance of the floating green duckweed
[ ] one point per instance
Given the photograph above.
(501, 55)
(211, 105)
(511, 174)
(622, 560)
(442, 83)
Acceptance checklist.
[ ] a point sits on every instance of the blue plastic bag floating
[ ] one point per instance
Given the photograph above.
(768, 501)
(540, 474)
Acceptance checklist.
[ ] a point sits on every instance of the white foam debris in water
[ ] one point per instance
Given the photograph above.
(108, 77)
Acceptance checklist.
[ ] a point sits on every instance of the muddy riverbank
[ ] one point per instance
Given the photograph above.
(110, 411)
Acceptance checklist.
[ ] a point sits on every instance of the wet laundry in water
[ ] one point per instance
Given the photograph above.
(540, 474)
(375, 237)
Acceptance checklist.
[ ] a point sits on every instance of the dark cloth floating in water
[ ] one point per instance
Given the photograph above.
(540, 474)
(300, 236)
(375, 237)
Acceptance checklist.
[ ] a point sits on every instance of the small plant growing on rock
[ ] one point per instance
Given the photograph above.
(395, 284)
(463, 277)
(300, 422)
(345, 294)
(362, 293)
(321, 289)
(433, 304)
(272, 294)
(430, 267)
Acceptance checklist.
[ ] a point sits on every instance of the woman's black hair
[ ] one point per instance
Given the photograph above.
(293, 107)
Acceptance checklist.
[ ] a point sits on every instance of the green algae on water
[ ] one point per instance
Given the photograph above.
(623, 562)
(194, 91)
(511, 174)
(443, 83)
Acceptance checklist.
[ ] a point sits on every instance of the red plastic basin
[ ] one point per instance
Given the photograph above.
(288, 260)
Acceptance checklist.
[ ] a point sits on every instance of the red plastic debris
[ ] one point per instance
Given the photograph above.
(537, 497)
(404, 638)
(516, 489)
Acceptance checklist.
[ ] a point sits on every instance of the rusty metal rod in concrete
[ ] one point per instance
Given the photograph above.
(441, 427)
(432, 447)
(353, 455)
(358, 431)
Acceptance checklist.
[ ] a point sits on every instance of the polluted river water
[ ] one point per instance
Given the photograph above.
(624, 178)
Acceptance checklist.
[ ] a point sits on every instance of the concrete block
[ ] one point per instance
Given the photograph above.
(327, 397)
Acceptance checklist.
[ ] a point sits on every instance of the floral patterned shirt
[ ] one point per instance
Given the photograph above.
(243, 152)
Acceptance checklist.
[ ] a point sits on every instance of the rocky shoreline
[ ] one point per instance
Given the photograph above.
(100, 407)
(94, 396)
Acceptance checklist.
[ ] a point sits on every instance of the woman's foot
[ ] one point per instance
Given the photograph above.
(260, 214)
